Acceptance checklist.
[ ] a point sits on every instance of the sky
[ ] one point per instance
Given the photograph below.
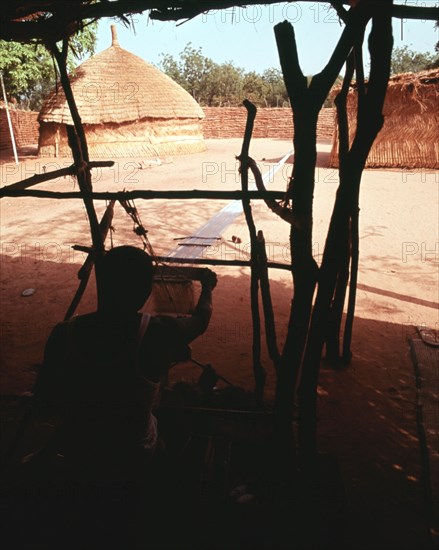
(245, 36)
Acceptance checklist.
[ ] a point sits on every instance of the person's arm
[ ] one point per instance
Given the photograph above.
(193, 326)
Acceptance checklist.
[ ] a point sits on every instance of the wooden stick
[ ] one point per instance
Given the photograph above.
(62, 172)
(85, 271)
(142, 194)
(350, 314)
(251, 116)
(258, 369)
(200, 261)
(355, 214)
(336, 310)
(341, 107)
(270, 325)
(218, 375)
(282, 211)
(78, 145)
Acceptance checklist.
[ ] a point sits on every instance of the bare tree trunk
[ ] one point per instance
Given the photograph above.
(370, 121)
(307, 99)
(355, 214)
(336, 312)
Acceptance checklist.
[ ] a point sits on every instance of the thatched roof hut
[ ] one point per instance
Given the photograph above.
(410, 135)
(129, 108)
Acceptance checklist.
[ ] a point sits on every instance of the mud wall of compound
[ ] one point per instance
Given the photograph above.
(25, 125)
(229, 122)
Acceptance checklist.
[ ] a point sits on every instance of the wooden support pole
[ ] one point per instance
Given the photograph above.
(300, 192)
(355, 215)
(369, 124)
(336, 311)
(8, 116)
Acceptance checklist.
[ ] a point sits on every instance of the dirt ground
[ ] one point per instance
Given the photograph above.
(367, 412)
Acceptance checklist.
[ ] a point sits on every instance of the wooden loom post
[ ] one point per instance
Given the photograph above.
(270, 325)
(78, 145)
(258, 369)
(259, 268)
(85, 271)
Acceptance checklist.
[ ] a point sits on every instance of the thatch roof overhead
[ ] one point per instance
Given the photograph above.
(116, 86)
(52, 20)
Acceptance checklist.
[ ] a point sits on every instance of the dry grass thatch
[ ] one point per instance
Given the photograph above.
(116, 86)
(410, 135)
(146, 138)
(128, 107)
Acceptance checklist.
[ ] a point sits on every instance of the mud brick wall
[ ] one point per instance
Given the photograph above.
(229, 122)
(220, 122)
(25, 125)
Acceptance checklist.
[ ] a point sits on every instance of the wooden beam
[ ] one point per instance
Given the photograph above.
(139, 194)
(220, 263)
(200, 261)
(174, 11)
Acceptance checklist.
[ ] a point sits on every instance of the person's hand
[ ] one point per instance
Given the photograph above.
(208, 279)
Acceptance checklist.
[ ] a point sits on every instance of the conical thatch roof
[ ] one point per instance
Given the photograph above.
(116, 86)
(410, 135)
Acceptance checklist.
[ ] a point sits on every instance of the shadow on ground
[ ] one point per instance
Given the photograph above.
(367, 424)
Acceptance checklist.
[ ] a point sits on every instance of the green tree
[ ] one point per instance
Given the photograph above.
(172, 68)
(277, 96)
(228, 83)
(256, 89)
(222, 84)
(405, 60)
(29, 70)
(193, 72)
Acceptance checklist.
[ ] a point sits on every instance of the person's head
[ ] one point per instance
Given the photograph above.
(126, 275)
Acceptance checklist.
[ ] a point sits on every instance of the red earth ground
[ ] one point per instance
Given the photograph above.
(367, 412)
